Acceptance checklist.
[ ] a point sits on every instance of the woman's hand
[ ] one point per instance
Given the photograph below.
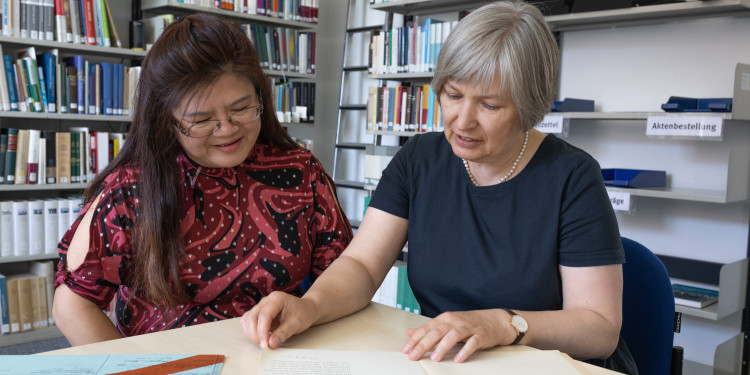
(276, 318)
(479, 329)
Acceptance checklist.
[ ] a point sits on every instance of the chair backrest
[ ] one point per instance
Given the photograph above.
(647, 309)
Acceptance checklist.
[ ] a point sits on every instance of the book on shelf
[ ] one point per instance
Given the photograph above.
(25, 312)
(62, 27)
(62, 148)
(20, 217)
(10, 156)
(3, 152)
(6, 229)
(32, 157)
(63, 218)
(36, 226)
(4, 320)
(50, 153)
(45, 271)
(51, 225)
(22, 156)
(693, 296)
(14, 319)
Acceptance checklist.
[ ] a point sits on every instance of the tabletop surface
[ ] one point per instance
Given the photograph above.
(375, 328)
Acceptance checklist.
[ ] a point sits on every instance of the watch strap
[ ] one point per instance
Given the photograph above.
(519, 333)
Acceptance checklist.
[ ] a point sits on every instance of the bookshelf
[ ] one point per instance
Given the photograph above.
(161, 7)
(178, 8)
(703, 214)
(59, 122)
(597, 19)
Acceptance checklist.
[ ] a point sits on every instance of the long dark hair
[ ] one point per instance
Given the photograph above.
(190, 54)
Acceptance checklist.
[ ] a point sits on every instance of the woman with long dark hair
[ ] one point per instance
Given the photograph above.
(209, 206)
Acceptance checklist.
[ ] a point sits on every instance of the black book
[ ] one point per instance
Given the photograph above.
(51, 156)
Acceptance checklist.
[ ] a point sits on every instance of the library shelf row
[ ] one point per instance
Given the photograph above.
(178, 8)
(642, 15)
(43, 187)
(27, 258)
(81, 49)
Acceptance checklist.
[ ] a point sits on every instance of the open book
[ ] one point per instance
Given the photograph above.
(507, 360)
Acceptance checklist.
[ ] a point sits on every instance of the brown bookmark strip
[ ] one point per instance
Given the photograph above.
(171, 367)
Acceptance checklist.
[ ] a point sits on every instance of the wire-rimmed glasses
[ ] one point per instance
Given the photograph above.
(205, 128)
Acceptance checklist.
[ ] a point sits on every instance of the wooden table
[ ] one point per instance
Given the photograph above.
(375, 328)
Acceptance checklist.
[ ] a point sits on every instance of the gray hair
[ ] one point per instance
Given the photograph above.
(509, 42)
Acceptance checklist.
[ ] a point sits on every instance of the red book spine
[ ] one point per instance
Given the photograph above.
(90, 24)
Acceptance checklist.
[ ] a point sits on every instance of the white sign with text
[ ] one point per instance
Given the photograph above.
(554, 124)
(620, 200)
(684, 126)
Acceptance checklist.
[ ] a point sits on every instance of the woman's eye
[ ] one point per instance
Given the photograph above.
(491, 107)
(202, 122)
(452, 96)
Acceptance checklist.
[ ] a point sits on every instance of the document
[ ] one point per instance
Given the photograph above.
(283, 361)
(113, 364)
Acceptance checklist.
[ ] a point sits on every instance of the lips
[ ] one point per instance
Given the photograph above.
(228, 143)
(465, 141)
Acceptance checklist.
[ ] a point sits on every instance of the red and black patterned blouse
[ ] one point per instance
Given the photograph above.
(249, 230)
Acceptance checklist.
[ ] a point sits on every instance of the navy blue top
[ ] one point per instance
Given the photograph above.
(498, 246)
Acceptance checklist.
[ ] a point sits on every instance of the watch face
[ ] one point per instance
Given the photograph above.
(520, 323)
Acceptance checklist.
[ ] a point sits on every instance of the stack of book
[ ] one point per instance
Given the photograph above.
(35, 227)
(297, 10)
(409, 48)
(30, 156)
(403, 108)
(692, 296)
(67, 21)
(281, 48)
(26, 299)
(396, 292)
(44, 82)
(295, 101)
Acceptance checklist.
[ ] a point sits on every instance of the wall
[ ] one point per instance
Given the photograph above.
(637, 68)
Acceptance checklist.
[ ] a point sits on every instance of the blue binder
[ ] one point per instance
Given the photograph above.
(682, 104)
(634, 178)
(573, 105)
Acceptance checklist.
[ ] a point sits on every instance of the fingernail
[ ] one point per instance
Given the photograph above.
(406, 349)
(458, 358)
(262, 344)
(435, 357)
(273, 341)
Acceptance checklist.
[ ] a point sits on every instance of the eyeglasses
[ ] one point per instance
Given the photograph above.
(205, 128)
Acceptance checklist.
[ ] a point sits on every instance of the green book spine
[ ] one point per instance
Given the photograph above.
(4, 318)
(401, 293)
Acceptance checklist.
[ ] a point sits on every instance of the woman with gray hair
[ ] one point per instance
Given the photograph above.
(512, 239)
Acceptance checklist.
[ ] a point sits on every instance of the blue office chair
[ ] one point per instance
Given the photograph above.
(648, 313)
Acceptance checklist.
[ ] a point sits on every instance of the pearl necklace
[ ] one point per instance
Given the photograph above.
(512, 168)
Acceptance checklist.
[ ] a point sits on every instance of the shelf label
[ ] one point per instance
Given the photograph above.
(685, 126)
(552, 124)
(620, 200)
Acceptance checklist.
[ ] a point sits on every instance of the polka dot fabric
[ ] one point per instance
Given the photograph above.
(261, 226)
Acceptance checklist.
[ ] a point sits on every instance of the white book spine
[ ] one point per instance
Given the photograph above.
(51, 226)
(20, 228)
(36, 227)
(6, 228)
(74, 209)
(32, 175)
(63, 218)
